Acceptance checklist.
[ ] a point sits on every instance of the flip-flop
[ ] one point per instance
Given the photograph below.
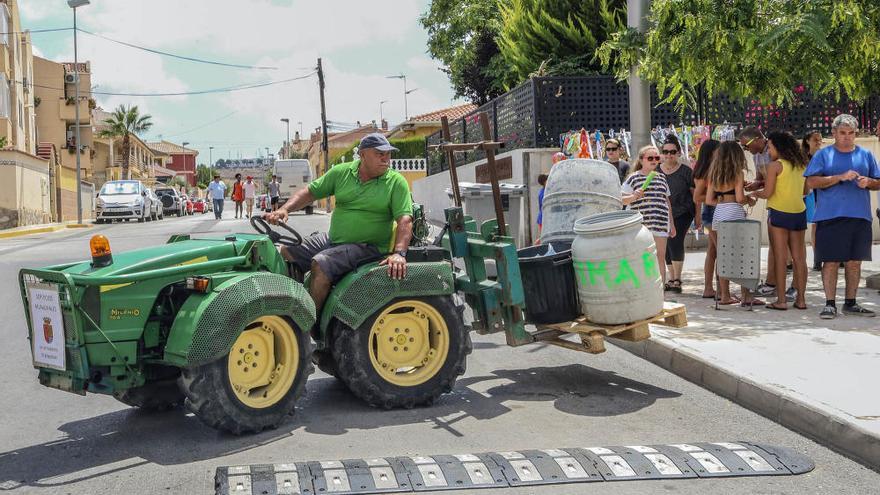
(800, 307)
(752, 303)
(733, 300)
(708, 297)
(774, 306)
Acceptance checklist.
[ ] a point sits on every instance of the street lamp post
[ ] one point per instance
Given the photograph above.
(405, 92)
(287, 121)
(73, 4)
(184, 160)
(300, 129)
(210, 157)
(381, 116)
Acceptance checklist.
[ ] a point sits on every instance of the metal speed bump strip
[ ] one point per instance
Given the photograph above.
(511, 469)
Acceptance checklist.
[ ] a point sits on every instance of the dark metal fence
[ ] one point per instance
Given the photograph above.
(534, 114)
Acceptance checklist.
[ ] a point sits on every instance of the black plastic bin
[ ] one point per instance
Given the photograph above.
(549, 284)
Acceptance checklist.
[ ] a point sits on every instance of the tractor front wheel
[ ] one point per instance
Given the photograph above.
(406, 355)
(256, 386)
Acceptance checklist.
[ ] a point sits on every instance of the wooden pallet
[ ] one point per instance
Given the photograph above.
(592, 335)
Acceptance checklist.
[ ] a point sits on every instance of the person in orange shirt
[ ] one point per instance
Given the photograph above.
(238, 196)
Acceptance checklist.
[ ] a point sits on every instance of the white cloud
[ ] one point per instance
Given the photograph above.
(36, 10)
(424, 62)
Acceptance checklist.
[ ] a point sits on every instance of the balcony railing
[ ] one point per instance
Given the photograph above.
(409, 164)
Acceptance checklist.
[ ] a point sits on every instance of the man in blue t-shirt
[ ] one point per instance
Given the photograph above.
(842, 175)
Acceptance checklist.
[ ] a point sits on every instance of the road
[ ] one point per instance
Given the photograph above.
(510, 399)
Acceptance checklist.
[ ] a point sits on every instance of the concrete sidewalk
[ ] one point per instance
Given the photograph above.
(43, 228)
(818, 377)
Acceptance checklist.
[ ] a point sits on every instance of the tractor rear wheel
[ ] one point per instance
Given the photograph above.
(407, 354)
(160, 395)
(257, 384)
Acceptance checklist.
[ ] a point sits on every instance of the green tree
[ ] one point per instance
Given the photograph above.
(123, 122)
(204, 174)
(461, 35)
(753, 48)
(556, 37)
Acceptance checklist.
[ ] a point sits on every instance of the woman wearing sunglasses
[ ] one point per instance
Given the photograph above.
(680, 179)
(651, 199)
(612, 155)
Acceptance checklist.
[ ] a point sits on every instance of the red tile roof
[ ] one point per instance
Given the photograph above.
(451, 113)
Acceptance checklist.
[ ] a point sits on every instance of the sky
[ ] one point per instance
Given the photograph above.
(360, 43)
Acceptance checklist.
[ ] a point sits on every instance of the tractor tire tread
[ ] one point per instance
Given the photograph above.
(204, 386)
(356, 372)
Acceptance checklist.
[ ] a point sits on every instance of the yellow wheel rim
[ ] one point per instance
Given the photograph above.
(263, 362)
(409, 342)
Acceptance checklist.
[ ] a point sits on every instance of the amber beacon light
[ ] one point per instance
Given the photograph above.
(100, 247)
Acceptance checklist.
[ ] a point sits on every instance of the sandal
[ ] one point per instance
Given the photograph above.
(733, 300)
(676, 286)
(752, 303)
(775, 306)
(668, 286)
(709, 296)
(803, 306)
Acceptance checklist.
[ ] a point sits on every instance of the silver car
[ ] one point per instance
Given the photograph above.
(123, 200)
(157, 211)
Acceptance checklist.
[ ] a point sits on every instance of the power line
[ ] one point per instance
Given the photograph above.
(228, 89)
(230, 114)
(35, 31)
(173, 55)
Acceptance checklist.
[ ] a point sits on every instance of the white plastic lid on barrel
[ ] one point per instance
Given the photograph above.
(616, 268)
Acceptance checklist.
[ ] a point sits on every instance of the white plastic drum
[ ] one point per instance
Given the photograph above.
(575, 189)
(615, 264)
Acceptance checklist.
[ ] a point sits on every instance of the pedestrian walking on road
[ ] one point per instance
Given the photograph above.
(647, 192)
(217, 193)
(680, 179)
(238, 196)
(704, 219)
(274, 192)
(250, 193)
(726, 191)
(843, 174)
(810, 145)
(786, 214)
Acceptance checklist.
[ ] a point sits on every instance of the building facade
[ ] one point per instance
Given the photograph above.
(181, 160)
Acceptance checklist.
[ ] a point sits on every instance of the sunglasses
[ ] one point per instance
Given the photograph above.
(611, 149)
(652, 158)
(669, 152)
(748, 143)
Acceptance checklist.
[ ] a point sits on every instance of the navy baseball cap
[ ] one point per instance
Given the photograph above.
(377, 141)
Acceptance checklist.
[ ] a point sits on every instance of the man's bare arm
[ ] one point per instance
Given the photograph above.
(404, 233)
(297, 202)
(820, 182)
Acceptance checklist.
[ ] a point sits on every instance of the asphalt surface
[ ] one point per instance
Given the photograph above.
(534, 397)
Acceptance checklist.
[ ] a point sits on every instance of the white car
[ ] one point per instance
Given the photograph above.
(157, 211)
(123, 200)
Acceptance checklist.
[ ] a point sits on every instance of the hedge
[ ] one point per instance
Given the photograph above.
(412, 147)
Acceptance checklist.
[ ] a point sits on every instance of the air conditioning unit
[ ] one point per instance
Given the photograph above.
(25, 84)
(70, 78)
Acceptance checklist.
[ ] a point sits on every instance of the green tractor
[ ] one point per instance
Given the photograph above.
(226, 327)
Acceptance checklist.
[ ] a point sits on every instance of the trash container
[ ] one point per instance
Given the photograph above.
(549, 284)
(477, 202)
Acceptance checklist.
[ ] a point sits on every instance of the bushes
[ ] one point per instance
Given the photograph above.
(412, 147)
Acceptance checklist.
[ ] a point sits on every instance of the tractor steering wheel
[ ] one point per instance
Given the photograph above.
(263, 227)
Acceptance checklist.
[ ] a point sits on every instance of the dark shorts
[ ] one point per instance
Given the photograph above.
(335, 260)
(707, 214)
(274, 200)
(843, 239)
(787, 221)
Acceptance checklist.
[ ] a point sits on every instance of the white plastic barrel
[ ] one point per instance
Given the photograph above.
(615, 264)
(575, 189)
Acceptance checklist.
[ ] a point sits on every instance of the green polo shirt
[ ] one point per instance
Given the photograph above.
(365, 211)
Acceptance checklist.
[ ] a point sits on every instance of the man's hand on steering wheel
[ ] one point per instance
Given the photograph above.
(396, 266)
(276, 217)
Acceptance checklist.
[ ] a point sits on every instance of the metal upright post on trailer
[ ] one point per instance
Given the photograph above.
(493, 175)
(450, 158)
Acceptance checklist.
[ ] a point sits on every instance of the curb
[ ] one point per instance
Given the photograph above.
(824, 427)
(41, 229)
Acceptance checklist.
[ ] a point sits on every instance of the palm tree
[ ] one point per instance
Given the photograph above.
(124, 122)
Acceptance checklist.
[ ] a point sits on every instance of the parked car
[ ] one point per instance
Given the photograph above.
(157, 211)
(123, 200)
(187, 204)
(170, 200)
(199, 206)
(293, 175)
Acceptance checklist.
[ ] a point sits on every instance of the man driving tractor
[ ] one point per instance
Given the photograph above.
(370, 197)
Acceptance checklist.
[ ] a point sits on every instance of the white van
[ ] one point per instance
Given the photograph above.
(293, 176)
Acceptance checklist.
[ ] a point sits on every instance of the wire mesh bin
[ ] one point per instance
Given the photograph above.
(739, 252)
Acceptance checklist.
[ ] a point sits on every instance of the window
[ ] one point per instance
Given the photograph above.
(4, 24)
(5, 95)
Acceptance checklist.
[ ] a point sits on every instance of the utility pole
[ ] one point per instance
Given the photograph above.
(639, 90)
(73, 5)
(324, 147)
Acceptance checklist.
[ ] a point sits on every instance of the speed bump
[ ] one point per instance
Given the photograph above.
(512, 469)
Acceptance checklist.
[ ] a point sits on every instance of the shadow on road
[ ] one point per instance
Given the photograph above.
(120, 440)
